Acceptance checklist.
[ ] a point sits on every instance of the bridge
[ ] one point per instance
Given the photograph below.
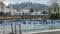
(23, 17)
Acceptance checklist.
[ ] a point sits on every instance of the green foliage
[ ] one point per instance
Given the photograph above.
(31, 10)
(53, 16)
(50, 15)
(44, 12)
(55, 9)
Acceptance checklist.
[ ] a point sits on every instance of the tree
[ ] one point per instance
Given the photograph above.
(31, 10)
(53, 16)
(2, 4)
(54, 13)
(54, 5)
(50, 16)
(44, 12)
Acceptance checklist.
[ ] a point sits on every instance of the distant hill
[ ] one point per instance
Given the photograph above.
(34, 6)
(17, 6)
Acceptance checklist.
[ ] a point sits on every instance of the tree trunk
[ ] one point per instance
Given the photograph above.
(51, 22)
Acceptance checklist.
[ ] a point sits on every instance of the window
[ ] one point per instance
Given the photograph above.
(22, 13)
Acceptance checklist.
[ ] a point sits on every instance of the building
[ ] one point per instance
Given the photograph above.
(27, 11)
(5, 9)
(36, 12)
(23, 11)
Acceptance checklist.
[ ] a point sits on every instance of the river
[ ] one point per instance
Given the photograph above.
(28, 25)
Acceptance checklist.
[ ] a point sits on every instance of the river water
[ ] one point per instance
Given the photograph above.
(28, 25)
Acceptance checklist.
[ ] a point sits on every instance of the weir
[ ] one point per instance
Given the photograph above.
(23, 17)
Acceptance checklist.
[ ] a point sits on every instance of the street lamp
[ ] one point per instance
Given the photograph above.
(20, 28)
(11, 27)
(20, 32)
(15, 27)
(3, 23)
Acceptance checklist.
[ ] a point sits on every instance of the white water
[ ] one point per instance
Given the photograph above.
(28, 27)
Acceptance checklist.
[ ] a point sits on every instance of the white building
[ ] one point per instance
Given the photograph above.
(23, 11)
(36, 12)
(9, 10)
(26, 11)
(6, 9)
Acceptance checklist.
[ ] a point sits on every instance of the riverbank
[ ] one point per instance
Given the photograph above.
(54, 31)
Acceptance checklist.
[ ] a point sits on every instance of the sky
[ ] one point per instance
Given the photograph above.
(20, 1)
(12, 1)
(36, 1)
